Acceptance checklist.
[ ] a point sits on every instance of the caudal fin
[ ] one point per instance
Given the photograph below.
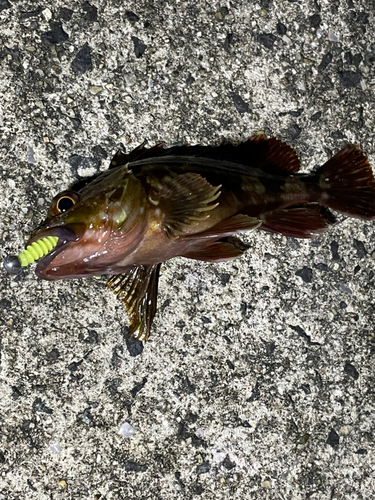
(347, 183)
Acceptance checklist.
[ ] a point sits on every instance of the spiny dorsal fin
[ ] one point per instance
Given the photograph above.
(184, 199)
(268, 154)
(140, 151)
(138, 288)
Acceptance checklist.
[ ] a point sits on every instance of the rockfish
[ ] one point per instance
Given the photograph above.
(155, 204)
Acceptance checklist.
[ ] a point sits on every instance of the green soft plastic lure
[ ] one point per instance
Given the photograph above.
(33, 252)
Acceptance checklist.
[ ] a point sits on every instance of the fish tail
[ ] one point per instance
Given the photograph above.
(347, 184)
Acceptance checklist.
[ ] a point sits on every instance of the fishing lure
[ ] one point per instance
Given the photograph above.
(155, 204)
(33, 252)
(37, 250)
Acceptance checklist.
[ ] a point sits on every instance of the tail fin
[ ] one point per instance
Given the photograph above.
(347, 183)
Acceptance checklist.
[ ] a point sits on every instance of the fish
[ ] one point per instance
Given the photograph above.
(153, 204)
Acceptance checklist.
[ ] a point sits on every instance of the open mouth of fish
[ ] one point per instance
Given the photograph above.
(46, 245)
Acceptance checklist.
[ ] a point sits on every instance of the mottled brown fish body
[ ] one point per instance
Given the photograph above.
(155, 204)
(250, 199)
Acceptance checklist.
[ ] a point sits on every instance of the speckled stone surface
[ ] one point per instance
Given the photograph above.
(258, 380)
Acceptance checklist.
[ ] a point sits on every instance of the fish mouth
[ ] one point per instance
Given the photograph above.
(60, 237)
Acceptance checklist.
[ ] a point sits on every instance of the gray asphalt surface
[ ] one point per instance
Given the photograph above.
(258, 379)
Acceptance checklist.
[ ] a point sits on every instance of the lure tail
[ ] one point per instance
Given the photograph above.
(347, 184)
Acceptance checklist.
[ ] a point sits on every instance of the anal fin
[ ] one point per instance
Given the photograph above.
(137, 288)
(217, 251)
(298, 222)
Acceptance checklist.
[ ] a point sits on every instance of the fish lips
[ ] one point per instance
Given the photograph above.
(66, 234)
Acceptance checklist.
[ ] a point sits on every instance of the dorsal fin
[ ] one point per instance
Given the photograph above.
(122, 158)
(276, 154)
(270, 155)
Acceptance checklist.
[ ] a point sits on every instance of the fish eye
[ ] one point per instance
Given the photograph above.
(63, 202)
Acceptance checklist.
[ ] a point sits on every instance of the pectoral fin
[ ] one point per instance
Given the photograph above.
(228, 227)
(138, 289)
(184, 199)
(206, 248)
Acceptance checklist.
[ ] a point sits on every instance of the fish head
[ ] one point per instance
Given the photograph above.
(96, 227)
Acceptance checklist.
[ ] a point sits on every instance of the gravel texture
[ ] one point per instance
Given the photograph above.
(258, 380)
